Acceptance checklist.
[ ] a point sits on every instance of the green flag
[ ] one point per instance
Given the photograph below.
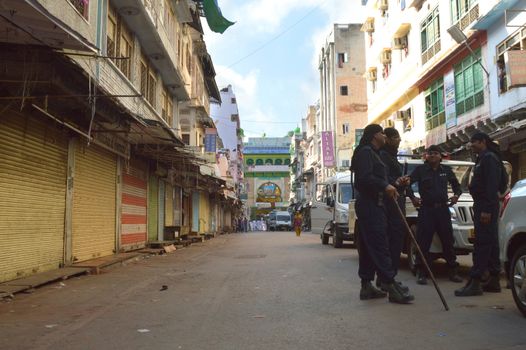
(214, 17)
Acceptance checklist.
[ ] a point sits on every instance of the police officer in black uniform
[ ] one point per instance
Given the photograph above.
(484, 188)
(396, 227)
(434, 216)
(373, 191)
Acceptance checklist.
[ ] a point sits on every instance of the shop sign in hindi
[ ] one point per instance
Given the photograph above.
(327, 148)
(450, 100)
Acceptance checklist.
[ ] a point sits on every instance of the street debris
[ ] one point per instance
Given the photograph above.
(164, 287)
(143, 330)
(51, 326)
(258, 316)
(497, 307)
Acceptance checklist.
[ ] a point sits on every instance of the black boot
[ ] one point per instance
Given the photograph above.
(421, 277)
(368, 291)
(396, 294)
(454, 276)
(472, 288)
(492, 285)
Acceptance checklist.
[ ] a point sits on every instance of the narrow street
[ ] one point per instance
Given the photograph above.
(258, 290)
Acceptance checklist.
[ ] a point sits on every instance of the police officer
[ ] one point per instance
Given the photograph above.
(484, 189)
(373, 190)
(434, 216)
(396, 226)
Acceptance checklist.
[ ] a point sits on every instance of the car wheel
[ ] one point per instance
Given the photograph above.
(337, 240)
(518, 278)
(412, 251)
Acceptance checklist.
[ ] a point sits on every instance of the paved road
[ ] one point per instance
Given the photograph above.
(260, 290)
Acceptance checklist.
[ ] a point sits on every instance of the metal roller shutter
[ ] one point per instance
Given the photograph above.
(33, 163)
(204, 213)
(153, 206)
(134, 208)
(522, 166)
(169, 217)
(94, 203)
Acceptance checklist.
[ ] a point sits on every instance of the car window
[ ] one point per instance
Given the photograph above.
(345, 194)
(283, 218)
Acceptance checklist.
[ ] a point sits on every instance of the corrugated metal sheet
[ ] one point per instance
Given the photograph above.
(153, 207)
(204, 213)
(33, 163)
(522, 165)
(94, 203)
(169, 200)
(195, 212)
(161, 195)
(134, 207)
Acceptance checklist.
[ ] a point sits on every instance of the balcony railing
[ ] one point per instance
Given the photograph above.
(430, 52)
(469, 17)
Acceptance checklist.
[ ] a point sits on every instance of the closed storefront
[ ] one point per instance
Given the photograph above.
(153, 207)
(204, 213)
(522, 166)
(33, 163)
(134, 206)
(94, 202)
(169, 205)
(195, 212)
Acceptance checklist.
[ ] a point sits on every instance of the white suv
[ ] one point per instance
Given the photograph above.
(512, 239)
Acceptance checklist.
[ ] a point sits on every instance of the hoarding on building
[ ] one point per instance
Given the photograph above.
(515, 61)
(450, 101)
(327, 149)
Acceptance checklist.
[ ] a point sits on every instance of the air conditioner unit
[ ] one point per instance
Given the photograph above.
(368, 27)
(386, 57)
(389, 123)
(383, 5)
(400, 43)
(371, 75)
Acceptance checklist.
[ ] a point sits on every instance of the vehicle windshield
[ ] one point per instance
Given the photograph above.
(345, 194)
(462, 172)
(283, 218)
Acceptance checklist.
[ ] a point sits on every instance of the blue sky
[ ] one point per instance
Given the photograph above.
(270, 57)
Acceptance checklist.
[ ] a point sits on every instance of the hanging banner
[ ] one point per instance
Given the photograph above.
(327, 149)
(450, 101)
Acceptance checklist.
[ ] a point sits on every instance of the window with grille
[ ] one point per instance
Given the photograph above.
(464, 12)
(119, 42)
(82, 6)
(167, 107)
(430, 35)
(344, 90)
(516, 41)
(434, 99)
(469, 83)
(148, 81)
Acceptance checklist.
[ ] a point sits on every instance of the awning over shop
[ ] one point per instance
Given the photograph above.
(495, 14)
(214, 17)
(28, 22)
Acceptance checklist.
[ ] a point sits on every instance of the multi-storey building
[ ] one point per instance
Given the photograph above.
(433, 70)
(93, 101)
(267, 177)
(343, 99)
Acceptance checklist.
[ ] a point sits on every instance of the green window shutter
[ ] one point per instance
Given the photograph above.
(440, 93)
(423, 39)
(469, 87)
(478, 77)
(459, 87)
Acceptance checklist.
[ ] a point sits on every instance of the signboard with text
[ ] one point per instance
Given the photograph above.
(327, 149)
(450, 100)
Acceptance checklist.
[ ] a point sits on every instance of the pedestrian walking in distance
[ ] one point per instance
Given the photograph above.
(373, 191)
(488, 175)
(298, 220)
(432, 178)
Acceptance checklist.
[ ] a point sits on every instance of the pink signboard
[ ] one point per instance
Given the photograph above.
(327, 149)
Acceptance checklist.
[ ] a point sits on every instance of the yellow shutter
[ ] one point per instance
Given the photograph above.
(33, 162)
(94, 203)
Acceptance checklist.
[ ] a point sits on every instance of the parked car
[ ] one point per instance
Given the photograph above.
(329, 210)
(461, 214)
(279, 220)
(512, 241)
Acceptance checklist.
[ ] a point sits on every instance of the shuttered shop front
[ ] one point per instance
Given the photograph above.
(94, 203)
(134, 207)
(33, 163)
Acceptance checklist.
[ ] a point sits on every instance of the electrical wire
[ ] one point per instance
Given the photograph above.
(286, 30)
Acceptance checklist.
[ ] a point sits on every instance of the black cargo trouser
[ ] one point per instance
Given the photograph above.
(374, 244)
(433, 219)
(396, 229)
(486, 245)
